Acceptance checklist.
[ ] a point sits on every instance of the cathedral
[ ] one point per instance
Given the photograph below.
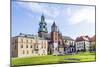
(57, 43)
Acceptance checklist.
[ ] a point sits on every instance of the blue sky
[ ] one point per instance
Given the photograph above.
(72, 20)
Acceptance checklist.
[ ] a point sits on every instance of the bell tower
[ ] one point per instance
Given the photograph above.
(54, 33)
(42, 31)
(54, 38)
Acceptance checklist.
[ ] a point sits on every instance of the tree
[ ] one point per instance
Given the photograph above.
(84, 47)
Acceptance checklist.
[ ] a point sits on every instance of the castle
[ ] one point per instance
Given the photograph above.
(45, 43)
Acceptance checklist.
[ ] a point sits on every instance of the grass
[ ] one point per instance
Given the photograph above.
(49, 59)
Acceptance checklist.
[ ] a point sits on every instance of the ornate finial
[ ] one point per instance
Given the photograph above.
(42, 17)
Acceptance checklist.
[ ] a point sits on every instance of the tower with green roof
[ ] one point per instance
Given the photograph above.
(42, 31)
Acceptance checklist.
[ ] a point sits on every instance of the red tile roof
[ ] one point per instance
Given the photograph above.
(93, 38)
(82, 38)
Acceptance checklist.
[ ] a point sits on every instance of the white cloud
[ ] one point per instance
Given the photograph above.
(40, 8)
(84, 14)
(71, 14)
(31, 6)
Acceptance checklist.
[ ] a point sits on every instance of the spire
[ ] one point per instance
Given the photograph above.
(54, 27)
(42, 18)
(54, 24)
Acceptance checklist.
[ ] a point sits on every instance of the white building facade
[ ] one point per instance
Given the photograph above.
(22, 46)
(82, 43)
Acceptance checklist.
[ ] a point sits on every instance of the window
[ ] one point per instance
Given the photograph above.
(43, 26)
(56, 49)
(32, 51)
(21, 46)
(43, 51)
(84, 43)
(37, 46)
(26, 46)
(45, 45)
(42, 46)
(23, 52)
(27, 52)
(15, 41)
(27, 41)
(31, 41)
(55, 38)
(66, 41)
(36, 52)
(21, 40)
(31, 46)
(15, 47)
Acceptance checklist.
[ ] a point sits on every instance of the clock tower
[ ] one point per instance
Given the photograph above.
(42, 31)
